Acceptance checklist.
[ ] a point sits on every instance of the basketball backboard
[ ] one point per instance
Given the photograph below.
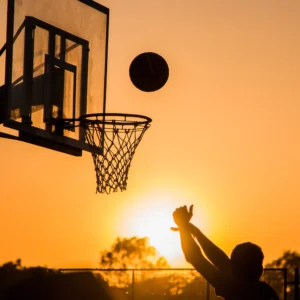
(56, 65)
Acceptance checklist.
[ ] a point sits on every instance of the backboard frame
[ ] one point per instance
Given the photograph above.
(27, 132)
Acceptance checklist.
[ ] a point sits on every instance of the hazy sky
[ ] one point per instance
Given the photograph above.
(225, 137)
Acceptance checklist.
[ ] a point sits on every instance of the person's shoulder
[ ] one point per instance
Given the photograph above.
(267, 291)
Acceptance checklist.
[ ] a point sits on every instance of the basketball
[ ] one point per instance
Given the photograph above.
(149, 72)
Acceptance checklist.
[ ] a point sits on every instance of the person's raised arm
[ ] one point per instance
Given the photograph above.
(192, 251)
(216, 255)
(219, 259)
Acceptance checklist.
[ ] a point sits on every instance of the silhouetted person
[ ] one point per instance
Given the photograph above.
(236, 278)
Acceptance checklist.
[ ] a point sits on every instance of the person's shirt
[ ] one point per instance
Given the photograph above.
(231, 289)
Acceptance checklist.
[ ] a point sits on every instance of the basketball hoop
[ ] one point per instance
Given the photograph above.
(113, 139)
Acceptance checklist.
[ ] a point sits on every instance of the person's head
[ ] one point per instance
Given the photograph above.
(247, 262)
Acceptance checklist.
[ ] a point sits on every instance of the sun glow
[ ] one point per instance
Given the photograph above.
(153, 218)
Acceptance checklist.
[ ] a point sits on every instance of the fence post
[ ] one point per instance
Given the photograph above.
(285, 283)
(132, 286)
(296, 284)
(207, 291)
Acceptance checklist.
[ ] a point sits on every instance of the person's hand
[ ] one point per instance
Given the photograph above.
(182, 216)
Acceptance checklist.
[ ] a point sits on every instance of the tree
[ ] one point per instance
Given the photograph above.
(289, 261)
(35, 283)
(132, 253)
(129, 253)
(136, 253)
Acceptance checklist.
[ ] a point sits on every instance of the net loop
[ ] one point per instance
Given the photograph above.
(118, 135)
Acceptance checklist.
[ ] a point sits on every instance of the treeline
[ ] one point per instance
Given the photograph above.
(35, 283)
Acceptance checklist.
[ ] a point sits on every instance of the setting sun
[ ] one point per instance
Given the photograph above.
(154, 221)
(152, 218)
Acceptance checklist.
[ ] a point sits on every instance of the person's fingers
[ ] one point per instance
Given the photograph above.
(183, 209)
(191, 209)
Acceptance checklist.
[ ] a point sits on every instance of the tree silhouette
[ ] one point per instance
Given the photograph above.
(136, 253)
(289, 261)
(132, 252)
(35, 283)
(129, 253)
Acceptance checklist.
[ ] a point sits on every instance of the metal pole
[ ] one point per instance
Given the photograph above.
(207, 291)
(28, 70)
(296, 284)
(132, 286)
(285, 284)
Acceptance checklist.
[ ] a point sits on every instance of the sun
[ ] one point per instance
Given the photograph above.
(152, 217)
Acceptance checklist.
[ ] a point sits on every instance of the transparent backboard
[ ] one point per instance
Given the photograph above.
(56, 58)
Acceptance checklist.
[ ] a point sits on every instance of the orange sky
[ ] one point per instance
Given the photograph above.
(225, 137)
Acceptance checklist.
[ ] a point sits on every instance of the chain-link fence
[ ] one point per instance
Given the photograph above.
(179, 284)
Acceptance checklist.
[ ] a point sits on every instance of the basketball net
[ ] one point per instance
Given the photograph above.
(118, 135)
